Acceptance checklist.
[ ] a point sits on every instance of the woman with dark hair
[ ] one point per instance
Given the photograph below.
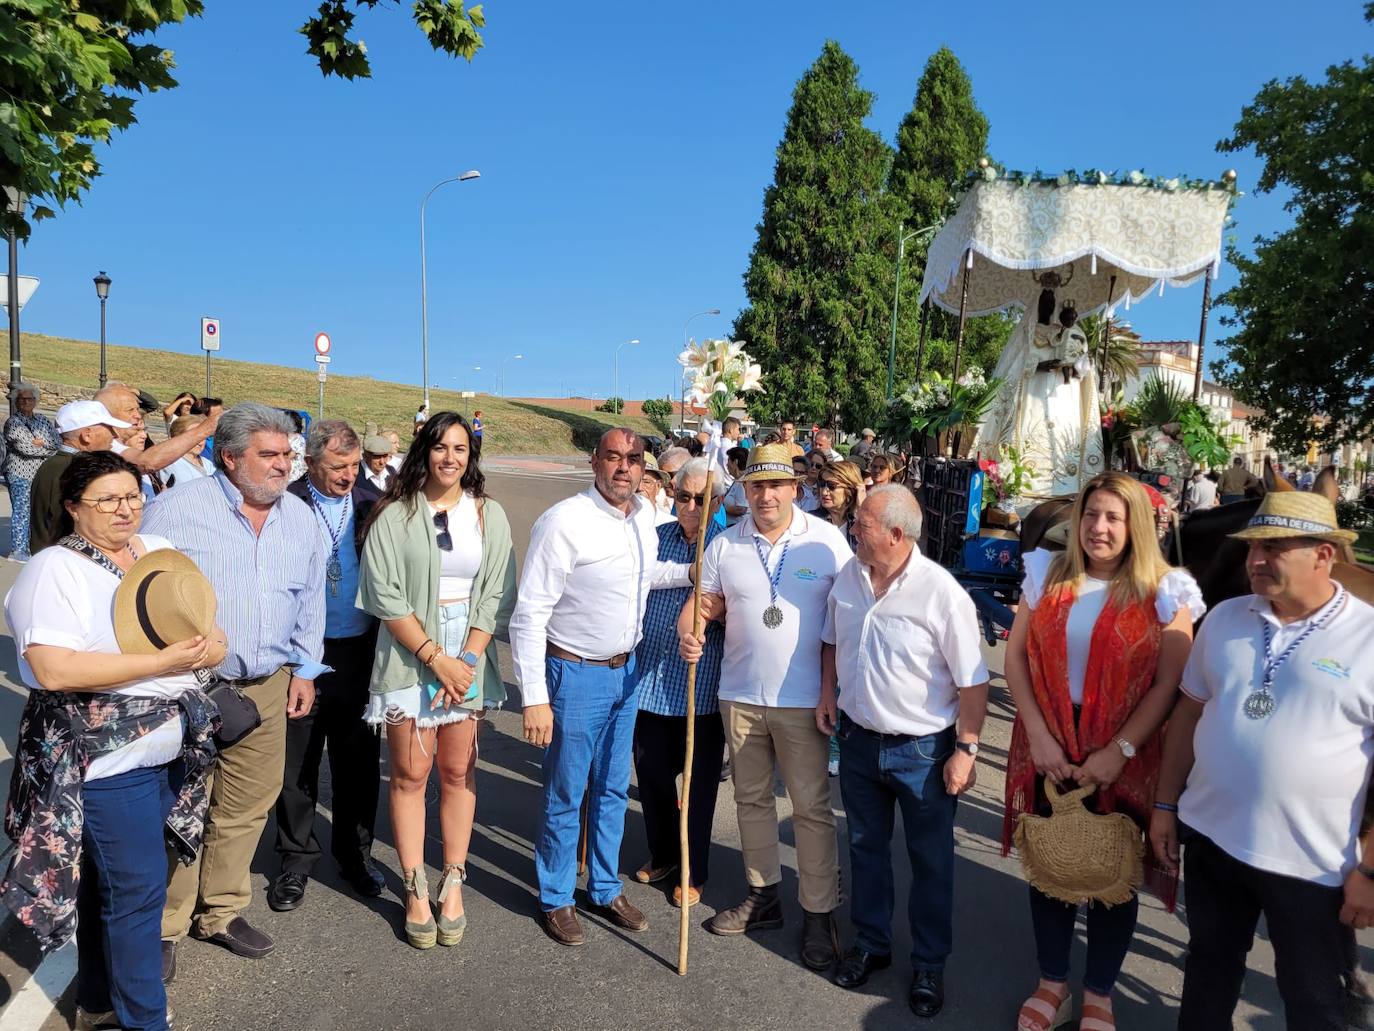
(438, 570)
(92, 819)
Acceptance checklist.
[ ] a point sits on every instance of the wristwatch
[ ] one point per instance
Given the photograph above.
(1127, 749)
(470, 658)
(967, 747)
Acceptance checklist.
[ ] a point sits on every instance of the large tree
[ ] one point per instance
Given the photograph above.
(816, 319)
(1304, 304)
(938, 143)
(71, 70)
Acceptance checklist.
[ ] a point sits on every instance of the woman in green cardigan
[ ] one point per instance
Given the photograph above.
(438, 570)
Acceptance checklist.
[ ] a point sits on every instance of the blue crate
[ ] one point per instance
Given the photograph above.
(991, 555)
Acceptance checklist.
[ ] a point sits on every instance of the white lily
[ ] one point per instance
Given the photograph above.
(752, 378)
(697, 356)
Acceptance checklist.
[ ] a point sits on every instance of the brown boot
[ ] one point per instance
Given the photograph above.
(760, 910)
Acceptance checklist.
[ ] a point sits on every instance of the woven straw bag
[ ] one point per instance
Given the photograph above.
(1074, 855)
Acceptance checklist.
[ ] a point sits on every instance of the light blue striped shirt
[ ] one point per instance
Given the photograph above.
(270, 587)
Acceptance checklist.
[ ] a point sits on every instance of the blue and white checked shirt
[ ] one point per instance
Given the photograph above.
(270, 587)
(662, 673)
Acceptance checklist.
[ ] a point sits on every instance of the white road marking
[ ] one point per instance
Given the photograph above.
(34, 1003)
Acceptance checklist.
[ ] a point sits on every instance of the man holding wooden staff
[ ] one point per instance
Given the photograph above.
(768, 577)
(591, 563)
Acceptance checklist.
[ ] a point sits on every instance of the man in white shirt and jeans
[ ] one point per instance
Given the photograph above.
(902, 647)
(768, 577)
(1273, 734)
(591, 562)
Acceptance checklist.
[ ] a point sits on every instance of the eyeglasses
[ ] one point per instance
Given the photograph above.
(683, 497)
(110, 505)
(442, 538)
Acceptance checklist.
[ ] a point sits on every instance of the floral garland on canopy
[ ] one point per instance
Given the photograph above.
(721, 369)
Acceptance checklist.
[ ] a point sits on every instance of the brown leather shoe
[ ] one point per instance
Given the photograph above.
(623, 913)
(563, 926)
(693, 895)
(650, 874)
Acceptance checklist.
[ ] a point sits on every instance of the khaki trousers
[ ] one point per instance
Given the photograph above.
(760, 736)
(243, 788)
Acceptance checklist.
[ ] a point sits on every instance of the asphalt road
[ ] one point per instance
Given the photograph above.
(341, 962)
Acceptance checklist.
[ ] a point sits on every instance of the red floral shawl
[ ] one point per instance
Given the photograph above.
(1121, 668)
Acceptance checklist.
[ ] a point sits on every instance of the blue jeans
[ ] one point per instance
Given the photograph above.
(119, 902)
(594, 710)
(878, 772)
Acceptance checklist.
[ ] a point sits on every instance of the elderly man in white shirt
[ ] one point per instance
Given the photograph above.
(902, 646)
(591, 562)
(768, 577)
(1266, 770)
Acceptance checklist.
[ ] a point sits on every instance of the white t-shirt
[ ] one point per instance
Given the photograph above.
(735, 498)
(781, 666)
(65, 600)
(458, 568)
(1284, 793)
(901, 659)
(1176, 589)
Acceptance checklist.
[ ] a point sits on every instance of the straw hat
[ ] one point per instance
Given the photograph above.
(164, 598)
(1295, 513)
(1075, 855)
(769, 462)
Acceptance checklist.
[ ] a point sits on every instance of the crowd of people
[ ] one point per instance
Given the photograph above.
(197, 631)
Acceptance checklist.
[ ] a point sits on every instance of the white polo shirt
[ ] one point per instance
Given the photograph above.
(778, 667)
(1283, 793)
(902, 658)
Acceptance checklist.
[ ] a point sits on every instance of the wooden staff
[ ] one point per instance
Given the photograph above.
(685, 863)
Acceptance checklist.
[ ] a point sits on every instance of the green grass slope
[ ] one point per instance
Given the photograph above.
(512, 427)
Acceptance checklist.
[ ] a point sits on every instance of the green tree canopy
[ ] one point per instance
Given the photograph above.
(1304, 304)
(71, 71)
(816, 319)
(939, 140)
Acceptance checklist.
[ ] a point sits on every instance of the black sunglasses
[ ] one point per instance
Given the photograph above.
(443, 538)
(682, 497)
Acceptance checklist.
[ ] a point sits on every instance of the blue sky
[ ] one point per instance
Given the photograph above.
(624, 149)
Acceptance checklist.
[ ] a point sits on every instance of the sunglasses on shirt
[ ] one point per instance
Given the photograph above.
(443, 538)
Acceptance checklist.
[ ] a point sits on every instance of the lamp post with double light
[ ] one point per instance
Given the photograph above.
(615, 385)
(512, 358)
(102, 290)
(471, 173)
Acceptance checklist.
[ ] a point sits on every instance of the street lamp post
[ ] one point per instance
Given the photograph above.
(896, 297)
(102, 290)
(16, 203)
(682, 404)
(512, 358)
(615, 387)
(471, 173)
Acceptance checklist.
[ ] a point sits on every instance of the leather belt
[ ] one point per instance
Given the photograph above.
(614, 662)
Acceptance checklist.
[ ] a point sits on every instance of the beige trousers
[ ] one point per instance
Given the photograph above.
(760, 736)
(243, 788)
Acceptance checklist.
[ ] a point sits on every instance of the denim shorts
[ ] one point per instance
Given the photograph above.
(412, 703)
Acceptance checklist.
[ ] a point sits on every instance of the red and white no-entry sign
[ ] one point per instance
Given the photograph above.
(322, 343)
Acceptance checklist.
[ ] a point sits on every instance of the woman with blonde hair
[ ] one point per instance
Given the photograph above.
(1093, 663)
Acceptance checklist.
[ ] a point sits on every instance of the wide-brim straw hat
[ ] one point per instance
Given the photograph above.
(1295, 513)
(769, 462)
(163, 599)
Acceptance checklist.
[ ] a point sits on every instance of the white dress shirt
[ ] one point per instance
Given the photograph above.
(379, 481)
(902, 659)
(774, 666)
(588, 572)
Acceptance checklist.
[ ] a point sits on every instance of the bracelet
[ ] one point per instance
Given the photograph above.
(421, 648)
(434, 656)
(1167, 807)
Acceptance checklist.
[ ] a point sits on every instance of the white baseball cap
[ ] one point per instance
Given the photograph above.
(77, 415)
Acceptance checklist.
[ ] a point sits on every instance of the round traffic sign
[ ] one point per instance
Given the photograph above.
(321, 343)
(211, 328)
